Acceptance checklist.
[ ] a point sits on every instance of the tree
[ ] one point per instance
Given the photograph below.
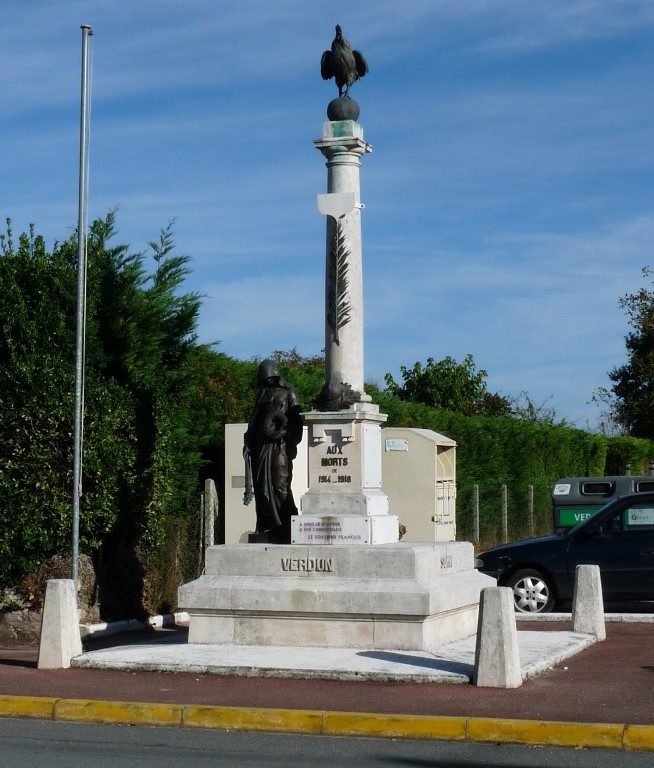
(607, 420)
(37, 326)
(307, 374)
(523, 407)
(633, 382)
(143, 386)
(457, 387)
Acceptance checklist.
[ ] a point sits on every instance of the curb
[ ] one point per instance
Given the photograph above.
(529, 732)
(612, 618)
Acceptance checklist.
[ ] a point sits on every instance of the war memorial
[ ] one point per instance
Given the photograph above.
(324, 587)
(333, 572)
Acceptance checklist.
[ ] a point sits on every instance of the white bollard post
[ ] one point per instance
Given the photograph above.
(588, 603)
(497, 658)
(60, 637)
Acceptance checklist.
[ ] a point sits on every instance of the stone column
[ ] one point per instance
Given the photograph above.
(344, 503)
(343, 146)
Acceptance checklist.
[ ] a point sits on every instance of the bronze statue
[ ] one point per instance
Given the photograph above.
(271, 441)
(343, 64)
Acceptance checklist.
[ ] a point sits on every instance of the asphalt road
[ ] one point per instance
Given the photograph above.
(45, 744)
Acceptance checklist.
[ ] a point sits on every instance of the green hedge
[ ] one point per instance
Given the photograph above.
(495, 451)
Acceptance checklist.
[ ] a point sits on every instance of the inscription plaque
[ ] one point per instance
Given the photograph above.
(330, 531)
(333, 465)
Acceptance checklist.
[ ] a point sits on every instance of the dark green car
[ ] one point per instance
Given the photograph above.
(619, 537)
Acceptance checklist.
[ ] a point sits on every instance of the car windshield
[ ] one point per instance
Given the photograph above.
(589, 521)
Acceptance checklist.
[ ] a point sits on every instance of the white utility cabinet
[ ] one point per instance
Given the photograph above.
(419, 478)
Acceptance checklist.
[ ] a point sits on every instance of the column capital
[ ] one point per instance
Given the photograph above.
(342, 136)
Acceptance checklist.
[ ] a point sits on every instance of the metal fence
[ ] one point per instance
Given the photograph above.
(490, 514)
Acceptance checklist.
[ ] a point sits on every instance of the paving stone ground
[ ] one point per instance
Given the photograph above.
(610, 682)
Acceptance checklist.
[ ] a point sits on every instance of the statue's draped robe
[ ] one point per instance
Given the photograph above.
(271, 438)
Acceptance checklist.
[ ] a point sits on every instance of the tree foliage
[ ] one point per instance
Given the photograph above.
(306, 374)
(633, 382)
(36, 384)
(142, 449)
(523, 407)
(457, 387)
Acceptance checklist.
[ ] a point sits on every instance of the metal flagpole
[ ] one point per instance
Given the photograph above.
(81, 302)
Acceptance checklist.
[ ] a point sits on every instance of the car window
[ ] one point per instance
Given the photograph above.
(635, 518)
(639, 517)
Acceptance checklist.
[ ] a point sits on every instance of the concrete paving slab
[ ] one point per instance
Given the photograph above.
(539, 651)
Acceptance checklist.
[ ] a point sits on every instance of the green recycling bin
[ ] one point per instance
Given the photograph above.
(576, 498)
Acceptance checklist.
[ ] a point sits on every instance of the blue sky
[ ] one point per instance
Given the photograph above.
(509, 196)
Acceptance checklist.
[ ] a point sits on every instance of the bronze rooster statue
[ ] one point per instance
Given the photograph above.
(342, 63)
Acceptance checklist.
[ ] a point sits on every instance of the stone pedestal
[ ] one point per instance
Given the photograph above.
(588, 602)
(60, 639)
(345, 503)
(394, 596)
(497, 656)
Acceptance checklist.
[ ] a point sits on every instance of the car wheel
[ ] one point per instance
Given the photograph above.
(532, 592)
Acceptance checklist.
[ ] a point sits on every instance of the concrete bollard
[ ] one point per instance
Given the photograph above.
(60, 636)
(588, 603)
(497, 658)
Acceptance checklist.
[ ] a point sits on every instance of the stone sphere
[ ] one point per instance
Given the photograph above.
(343, 108)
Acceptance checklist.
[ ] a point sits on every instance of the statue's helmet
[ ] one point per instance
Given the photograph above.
(267, 370)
